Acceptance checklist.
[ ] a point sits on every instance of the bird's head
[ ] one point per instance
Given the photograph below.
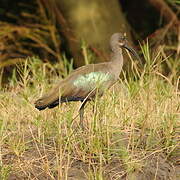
(119, 41)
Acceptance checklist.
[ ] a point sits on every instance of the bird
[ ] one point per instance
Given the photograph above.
(84, 83)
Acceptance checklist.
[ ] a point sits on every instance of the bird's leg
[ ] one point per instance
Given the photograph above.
(81, 113)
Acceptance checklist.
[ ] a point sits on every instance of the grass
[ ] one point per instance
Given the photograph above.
(135, 122)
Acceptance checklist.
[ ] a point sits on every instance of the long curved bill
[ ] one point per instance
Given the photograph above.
(130, 49)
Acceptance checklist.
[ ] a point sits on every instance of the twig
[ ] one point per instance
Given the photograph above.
(165, 10)
(171, 19)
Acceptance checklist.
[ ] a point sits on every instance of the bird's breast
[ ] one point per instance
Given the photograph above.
(93, 80)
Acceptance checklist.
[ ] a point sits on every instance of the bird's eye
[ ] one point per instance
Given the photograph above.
(122, 39)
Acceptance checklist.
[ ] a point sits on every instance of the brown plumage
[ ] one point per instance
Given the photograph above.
(82, 83)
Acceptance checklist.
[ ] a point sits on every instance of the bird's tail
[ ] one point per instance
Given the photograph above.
(49, 100)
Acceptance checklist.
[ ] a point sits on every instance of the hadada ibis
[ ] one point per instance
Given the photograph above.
(84, 83)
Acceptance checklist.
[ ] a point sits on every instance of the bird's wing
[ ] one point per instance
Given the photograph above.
(79, 84)
(86, 79)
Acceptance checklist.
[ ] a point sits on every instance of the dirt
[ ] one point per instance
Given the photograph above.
(155, 168)
(31, 165)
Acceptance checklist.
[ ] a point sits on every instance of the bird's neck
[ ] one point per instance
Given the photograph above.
(116, 62)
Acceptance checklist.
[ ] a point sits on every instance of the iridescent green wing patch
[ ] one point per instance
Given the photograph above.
(92, 80)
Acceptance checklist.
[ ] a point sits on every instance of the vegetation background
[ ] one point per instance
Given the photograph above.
(132, 132)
